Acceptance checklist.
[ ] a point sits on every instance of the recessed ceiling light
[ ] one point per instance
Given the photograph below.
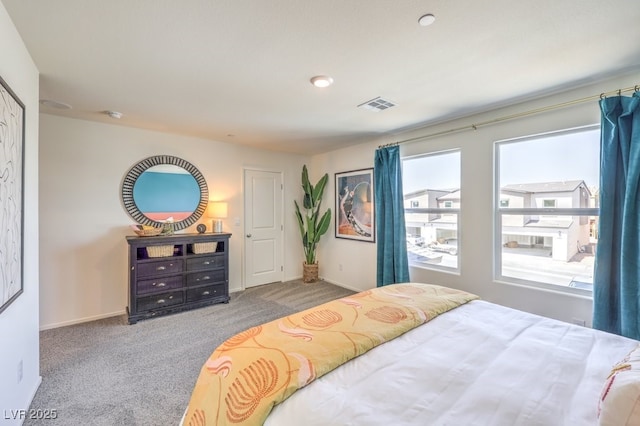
(114, 114)
(322, 81)
(54, 104)
(426, 20)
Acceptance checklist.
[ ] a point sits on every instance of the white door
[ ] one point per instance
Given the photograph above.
(263, 227)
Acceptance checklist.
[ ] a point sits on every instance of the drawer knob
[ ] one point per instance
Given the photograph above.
(161, 301)
(205, 293)
(206, 262)
(161, 268)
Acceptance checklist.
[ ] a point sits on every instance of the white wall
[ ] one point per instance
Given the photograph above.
(83, 225)
(19, 322)
(477, 222)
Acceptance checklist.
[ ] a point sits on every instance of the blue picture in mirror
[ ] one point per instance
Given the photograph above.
(166, 192)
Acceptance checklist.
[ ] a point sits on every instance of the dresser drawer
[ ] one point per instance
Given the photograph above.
(159, 284)
(160, 267)
(205, 262)
(208, 292)
(205, 277)
(159, 301)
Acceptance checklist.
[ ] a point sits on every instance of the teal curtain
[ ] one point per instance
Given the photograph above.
(616, 286)
(393, 265)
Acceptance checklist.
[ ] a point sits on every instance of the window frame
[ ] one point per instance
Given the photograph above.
(499, 212)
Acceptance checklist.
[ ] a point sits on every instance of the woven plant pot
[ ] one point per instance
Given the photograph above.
(309, 272)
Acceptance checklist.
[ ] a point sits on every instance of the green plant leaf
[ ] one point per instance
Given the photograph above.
(307, 202)
(306, 185)
(323, 226)
(300, 221)
(311, 228)
(319, 188)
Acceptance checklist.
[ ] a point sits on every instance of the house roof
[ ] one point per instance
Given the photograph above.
(422, 192)
(539, 187)
(527, 188)
(453, 195)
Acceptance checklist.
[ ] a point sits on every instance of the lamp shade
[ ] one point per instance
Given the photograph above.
(217, 209)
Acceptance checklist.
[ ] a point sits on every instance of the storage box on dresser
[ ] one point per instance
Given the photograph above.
(175, 273)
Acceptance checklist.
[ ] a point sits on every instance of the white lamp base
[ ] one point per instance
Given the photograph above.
(217, 225)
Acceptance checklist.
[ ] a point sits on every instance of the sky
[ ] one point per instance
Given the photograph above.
(440, 171)
(558, 157)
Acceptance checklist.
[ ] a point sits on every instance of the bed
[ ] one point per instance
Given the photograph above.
(418, 354)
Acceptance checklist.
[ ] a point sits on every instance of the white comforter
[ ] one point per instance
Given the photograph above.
(479, 364)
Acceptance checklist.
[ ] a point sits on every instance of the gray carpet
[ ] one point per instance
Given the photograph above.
(110, 373)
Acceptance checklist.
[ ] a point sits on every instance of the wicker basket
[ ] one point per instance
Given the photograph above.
(146, 232)
(309, 272)
(199, 248)
(159, 251)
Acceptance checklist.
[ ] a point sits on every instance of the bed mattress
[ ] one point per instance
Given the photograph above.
(479, 364)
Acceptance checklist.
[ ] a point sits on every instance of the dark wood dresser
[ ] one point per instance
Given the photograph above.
(176, 273)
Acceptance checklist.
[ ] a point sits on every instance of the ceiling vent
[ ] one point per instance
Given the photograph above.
(377, 104)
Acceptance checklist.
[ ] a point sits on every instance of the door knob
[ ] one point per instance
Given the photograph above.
(248, 235)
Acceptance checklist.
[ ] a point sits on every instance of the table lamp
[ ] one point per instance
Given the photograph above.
(217, 211)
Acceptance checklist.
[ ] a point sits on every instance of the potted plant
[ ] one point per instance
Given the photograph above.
(312, 225)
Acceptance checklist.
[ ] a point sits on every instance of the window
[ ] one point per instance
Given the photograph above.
(432, 209)
(546, 231)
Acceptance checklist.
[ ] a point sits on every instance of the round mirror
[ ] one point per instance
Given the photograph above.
(165, 188)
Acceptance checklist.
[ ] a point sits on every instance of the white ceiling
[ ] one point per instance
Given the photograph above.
(239, 70)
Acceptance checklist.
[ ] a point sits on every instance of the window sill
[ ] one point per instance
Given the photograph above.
(547, 288)
(435, 268)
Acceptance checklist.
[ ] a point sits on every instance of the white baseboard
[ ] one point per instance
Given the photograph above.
(348, 287)
(81, 320)
(357, 290)
(31, 396)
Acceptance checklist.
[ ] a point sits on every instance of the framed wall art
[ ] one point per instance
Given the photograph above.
(12, 126)
(355, 212)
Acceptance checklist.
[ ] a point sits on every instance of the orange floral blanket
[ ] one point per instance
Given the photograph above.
(261, 367)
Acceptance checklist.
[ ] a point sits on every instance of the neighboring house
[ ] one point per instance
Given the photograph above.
(563, 236)
(431, 227)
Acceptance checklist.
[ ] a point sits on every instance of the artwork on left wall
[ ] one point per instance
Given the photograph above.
(355, 216)
(12, 127)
